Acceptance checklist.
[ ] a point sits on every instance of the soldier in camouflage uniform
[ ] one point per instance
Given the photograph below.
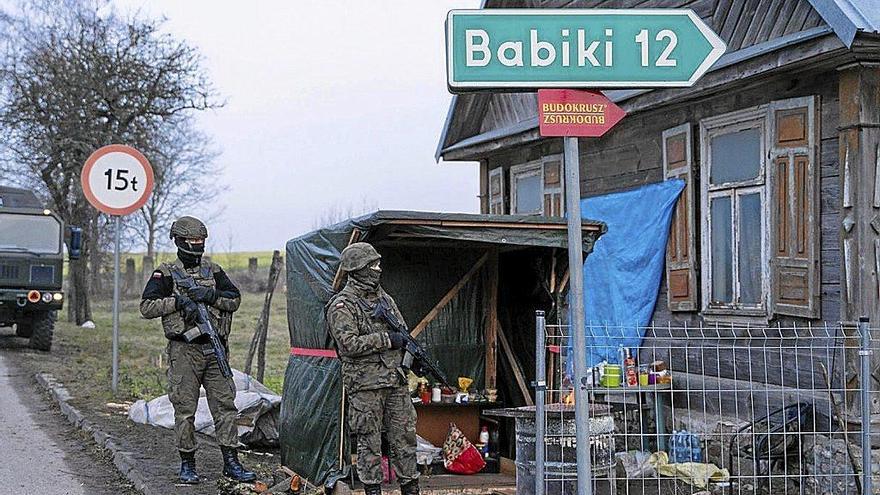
(378, 397)
(192, 363)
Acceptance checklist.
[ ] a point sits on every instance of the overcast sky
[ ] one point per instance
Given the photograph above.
(330, 104)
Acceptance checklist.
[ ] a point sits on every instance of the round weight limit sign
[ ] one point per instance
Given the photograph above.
(117, 179)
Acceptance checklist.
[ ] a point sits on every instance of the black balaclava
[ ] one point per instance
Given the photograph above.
(190, 254)
(367, 278)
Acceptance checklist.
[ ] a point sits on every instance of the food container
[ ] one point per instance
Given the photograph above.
(643, 376)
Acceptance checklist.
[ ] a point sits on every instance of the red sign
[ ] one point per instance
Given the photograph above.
(568, 112)
(117, 179)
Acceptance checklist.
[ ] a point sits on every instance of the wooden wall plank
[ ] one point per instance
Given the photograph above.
(796, 21)
(757, 20)
(769, 20)
(784, 14)
(746, 20)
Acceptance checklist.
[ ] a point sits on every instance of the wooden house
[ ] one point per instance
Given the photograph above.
(797, 95)
(779, 145)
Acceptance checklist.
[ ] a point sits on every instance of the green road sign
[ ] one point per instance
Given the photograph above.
(577, 48)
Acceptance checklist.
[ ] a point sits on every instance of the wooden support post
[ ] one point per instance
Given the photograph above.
(514, 365)
(258, 342)
(491, 317)
(130, 283)
(448, 296)
(859, 143)
(148, 266)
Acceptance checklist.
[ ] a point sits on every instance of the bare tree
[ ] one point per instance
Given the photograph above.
(338, 212)
(75, 76)
(186, 182)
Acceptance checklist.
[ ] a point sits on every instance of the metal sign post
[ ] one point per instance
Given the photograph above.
(117, 180)
(576, 296)
(510, 49)
(115, 380)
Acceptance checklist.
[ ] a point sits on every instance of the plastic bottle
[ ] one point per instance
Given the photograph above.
(484, 435)
(435, 393)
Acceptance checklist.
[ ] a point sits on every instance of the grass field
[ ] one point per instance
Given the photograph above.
(81, 357)
(229, 261)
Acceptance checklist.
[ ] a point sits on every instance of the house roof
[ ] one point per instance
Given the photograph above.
(749, 27)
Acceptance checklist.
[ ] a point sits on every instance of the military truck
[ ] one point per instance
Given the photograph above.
(31, 265)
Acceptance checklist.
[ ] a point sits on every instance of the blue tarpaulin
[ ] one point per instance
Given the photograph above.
(622, 275)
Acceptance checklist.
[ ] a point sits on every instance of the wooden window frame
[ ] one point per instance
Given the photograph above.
(557, 190)
(499, 199)
(528, 169)
(681, 249)
(536, 168)
(755, 117)
(806, 256)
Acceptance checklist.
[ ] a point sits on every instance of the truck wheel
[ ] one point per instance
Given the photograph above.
(43, 325)
(24, 328)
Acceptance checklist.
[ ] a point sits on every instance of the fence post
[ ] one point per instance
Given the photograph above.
(865, 358)
(540, 388)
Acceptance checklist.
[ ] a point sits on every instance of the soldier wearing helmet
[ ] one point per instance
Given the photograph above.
(378, 397)
(192, 363)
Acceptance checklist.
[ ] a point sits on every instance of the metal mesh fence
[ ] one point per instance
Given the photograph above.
(720, 409)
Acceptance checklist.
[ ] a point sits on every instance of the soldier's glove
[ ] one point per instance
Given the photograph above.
(397, 340)
(189, 308)
(202, 294)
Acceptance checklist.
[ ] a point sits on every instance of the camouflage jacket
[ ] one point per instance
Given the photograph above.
(362, 343)
(159, 302)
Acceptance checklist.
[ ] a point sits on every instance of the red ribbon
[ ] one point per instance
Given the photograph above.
(305, 351)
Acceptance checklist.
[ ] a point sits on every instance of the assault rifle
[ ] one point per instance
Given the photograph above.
(204, 327)
(415, 358)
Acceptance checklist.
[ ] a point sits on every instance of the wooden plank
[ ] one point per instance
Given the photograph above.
(784, 14)
(586, 227)
(514, 365)
(769, 20)
(722, 9)
(448, 296)
(796, 21)
(337, 279)
(747, 19)
(730, 23)
(491, 332)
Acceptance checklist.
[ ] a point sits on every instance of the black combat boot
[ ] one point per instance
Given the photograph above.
(188, 474)
(411, 488)
(372, 489)
(232, 468)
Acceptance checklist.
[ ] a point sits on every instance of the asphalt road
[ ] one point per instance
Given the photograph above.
(41, 452)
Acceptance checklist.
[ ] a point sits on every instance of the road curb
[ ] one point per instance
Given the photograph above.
(124, 460)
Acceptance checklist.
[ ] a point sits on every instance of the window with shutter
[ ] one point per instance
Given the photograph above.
(681, 271)
(553, 204)
(795, 270)
(496, 191)
(735, 211)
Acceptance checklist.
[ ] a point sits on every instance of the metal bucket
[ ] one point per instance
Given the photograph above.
(560, 466)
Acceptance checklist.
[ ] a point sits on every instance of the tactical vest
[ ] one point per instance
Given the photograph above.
(173, 324)
(377, 370)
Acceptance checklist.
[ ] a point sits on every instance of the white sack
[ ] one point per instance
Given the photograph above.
(257, 412)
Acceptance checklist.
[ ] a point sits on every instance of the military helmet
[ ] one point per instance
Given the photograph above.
(357, 256)
(189, 228)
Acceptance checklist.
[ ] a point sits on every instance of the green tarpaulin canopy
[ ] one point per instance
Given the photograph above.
(424, 256)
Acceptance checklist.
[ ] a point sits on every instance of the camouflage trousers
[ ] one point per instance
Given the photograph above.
(390, 411)
(188, 370)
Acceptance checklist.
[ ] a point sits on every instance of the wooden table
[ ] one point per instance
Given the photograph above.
(434, 418)
(656, 397)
